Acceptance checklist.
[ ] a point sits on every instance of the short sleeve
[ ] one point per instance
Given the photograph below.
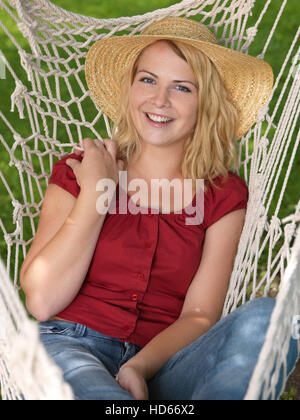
(63, 176)
(233, 195)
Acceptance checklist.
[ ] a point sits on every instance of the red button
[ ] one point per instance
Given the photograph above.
(141, 276)
(147, 244)
(134, 297)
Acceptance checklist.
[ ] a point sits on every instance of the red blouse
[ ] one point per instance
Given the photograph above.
(143, 264)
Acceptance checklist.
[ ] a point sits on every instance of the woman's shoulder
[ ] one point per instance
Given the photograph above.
(232, 181)
(226, 195)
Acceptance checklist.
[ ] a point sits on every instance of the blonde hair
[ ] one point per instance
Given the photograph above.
(211, 150)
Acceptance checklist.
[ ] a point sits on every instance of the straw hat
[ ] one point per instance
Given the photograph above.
(249, 80)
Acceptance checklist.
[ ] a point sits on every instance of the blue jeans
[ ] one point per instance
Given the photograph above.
(216, 366)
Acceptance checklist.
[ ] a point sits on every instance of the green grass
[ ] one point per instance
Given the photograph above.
(106, 9)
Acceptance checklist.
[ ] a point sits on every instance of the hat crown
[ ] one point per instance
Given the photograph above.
(180, 28)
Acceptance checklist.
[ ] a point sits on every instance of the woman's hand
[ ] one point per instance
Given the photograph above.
(98, 162)
(130, 379)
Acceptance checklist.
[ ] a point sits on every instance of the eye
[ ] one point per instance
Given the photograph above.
(181, 88)
(147, 80)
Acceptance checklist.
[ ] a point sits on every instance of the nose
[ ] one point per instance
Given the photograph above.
(161, 97)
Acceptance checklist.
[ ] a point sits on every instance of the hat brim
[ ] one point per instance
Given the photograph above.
(249, 80)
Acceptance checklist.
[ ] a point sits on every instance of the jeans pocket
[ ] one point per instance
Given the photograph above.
(56, 327)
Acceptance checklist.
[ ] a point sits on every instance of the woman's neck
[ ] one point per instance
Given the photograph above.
(156, 162)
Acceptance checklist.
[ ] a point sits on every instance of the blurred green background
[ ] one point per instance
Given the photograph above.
(275, 55)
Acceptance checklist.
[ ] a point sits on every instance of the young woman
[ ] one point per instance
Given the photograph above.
(130, 299)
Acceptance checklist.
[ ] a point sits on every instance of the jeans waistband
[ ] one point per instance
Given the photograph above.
(81, 330)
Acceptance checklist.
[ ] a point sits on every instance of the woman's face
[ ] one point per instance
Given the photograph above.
(164, 96)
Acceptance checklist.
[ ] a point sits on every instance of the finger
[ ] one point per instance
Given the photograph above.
(102, 143)
(78, 150)
(79, 153)
(111, 147)
(120, 164)
(139, 392)
(72, 163)
(89, 143)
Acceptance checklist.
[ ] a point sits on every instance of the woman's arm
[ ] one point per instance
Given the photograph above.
(53, 276)
(202, 306)
(68, 230)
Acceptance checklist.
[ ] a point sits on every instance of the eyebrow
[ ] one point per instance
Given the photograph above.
(175, 81)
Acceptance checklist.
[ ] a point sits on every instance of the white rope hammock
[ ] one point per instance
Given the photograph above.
(53, 100)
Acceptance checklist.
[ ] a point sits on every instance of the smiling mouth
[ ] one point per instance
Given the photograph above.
(158, 118)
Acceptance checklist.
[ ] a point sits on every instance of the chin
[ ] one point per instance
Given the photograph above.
(156, 142)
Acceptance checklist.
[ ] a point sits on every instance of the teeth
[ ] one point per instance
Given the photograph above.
(156, 118)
